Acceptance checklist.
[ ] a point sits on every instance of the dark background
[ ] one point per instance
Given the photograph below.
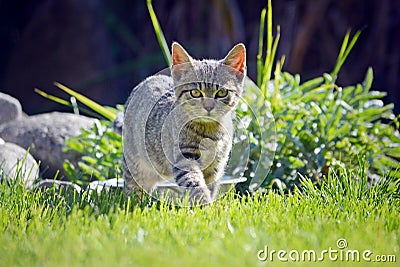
(104, 48)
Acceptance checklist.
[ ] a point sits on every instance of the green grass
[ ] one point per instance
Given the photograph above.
(45, 229)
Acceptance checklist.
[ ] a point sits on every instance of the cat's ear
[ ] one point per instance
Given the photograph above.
(236, 58)
(179, 55)
(181, 61)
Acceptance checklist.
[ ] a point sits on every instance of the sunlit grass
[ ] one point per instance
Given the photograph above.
(45, 229)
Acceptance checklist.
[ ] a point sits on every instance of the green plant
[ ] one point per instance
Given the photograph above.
(319, 125)
(159, 34)
(100, 147)
(96, 109)
(101, 150)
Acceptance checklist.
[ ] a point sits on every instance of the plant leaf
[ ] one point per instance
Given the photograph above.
(88, 102)
(159, 33)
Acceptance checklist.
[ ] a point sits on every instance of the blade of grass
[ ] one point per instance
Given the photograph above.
(53, 98)
(277, 98)
(75, 106)
(351, 45)
(344, 52)
(88, 102)
(65, 103)
(344, 45)
(268, 56)
(269, 32)
(260, 48)
(272, 56)
(265, 71)
(159, 33)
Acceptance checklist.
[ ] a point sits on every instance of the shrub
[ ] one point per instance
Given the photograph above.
(319, 125)
(101, 150)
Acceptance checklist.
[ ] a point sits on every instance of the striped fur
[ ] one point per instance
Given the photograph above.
(180, 127)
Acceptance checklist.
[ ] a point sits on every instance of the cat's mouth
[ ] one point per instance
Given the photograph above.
(206, 115)
(206, 118)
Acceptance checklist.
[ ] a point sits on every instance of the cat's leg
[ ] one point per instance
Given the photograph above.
(130, 182)
(139, 177)
(189, 178)
(213, 173)
(212, 176)
(214, 188)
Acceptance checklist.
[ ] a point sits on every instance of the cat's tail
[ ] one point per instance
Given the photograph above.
(119, 123)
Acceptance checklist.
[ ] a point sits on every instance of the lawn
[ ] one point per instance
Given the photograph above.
(46, 229)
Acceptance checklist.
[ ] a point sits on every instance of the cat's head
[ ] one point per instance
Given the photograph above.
(208, 89)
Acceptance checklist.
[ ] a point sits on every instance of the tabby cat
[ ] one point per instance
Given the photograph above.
(179, 126)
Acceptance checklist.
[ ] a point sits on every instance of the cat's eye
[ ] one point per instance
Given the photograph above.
(221, 93)
(196, 93)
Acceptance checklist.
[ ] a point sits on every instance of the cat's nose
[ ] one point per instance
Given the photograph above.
(208, 104)
(208, 108)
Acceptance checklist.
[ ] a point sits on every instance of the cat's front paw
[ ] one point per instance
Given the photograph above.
(199, 196)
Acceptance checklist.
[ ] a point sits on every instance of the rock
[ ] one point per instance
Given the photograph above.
(10, 108)
(14, 159)
(119, 123)
(108, 185)
(59, 186)
(169, 191)
(45, 135)
(226, 184)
